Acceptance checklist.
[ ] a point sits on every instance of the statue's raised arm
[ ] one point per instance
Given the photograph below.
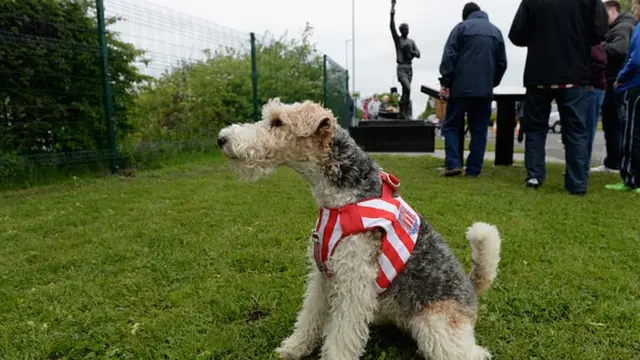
(394, 32)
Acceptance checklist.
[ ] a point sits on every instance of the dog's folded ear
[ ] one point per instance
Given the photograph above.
(313, 119)
(320, 125)
(326, 125)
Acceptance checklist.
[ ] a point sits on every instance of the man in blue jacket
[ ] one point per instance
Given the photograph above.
(628, 83)
(473, 63)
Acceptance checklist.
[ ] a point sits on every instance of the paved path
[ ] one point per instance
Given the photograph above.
(554, 147)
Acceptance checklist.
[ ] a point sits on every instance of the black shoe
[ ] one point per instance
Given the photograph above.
(577, 193)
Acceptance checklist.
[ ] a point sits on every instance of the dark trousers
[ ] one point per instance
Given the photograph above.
(593, 111)
(572, 106)
(630, 163)
(612, 120)
(478, 113)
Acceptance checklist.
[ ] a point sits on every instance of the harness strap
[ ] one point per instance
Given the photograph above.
(390, 183)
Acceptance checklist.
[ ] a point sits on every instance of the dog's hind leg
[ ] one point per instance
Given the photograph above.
(307, 331)
(445, 332)
(352, 298)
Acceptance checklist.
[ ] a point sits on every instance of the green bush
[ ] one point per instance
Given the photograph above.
(51, 99)
(196, 100)
(10, 165)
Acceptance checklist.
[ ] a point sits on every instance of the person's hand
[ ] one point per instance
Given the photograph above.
(616, 84)
(393, 7)
(444, 93)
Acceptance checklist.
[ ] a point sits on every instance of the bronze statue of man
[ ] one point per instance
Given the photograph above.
(406, 50)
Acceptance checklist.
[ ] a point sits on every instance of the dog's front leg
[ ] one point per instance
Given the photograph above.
(308, 328)
(352, 299)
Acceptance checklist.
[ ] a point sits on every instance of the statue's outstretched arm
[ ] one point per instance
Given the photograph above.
(392, 25)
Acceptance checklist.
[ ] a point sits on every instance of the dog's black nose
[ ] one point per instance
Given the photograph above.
(222, 140)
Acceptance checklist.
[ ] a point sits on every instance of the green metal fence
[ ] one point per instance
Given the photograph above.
(336, 93)
(108, 84)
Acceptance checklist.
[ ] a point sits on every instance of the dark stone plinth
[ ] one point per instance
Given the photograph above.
(395, 135)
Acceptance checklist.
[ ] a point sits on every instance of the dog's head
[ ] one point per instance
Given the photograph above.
(288, 134)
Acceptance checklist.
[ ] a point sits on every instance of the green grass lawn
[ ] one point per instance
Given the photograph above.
(187, 263)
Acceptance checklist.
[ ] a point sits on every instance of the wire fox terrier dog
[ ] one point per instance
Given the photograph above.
(373, 257)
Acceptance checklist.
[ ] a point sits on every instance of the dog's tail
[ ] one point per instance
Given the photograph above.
(485, 254)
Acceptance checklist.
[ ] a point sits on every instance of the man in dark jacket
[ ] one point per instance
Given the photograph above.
(616, 45)
(559, 35)
(473, 63)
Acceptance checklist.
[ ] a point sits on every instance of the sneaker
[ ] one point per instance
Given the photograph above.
(618, 187)
(604, 170)
(532, 183)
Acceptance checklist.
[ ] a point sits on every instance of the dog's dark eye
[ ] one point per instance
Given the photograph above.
(276, 123)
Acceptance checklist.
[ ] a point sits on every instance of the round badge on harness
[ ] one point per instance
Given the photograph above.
(408, 220)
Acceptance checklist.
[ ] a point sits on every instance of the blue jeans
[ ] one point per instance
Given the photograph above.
(595, 98)
(572, 105)
(478, 113)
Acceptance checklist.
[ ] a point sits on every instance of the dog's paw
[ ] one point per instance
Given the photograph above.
(292, 350)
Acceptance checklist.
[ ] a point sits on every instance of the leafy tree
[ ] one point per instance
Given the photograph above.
(51, 97)
(195, 100)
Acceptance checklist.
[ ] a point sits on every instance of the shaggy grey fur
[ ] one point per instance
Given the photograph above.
(351, 168)
(432, 273)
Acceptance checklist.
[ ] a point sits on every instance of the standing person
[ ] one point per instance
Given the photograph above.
(384, 105)
(374, 107)
(628, 84)
(596, 95)
(473, 63)
(365, 109)
(558, 35)
(616, 45)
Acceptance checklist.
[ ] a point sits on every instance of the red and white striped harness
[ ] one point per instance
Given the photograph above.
(399, 222)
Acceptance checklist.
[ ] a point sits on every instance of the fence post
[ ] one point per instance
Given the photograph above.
(254, 78)
(348, 98)
(346, 83)
(106, 84)
(324, 81)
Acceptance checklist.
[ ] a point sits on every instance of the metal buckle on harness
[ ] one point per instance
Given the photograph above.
(391, 180)
(317, 255)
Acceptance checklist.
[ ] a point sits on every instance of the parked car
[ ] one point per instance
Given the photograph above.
(554, 120)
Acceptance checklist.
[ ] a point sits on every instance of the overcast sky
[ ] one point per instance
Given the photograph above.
(430, 23)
